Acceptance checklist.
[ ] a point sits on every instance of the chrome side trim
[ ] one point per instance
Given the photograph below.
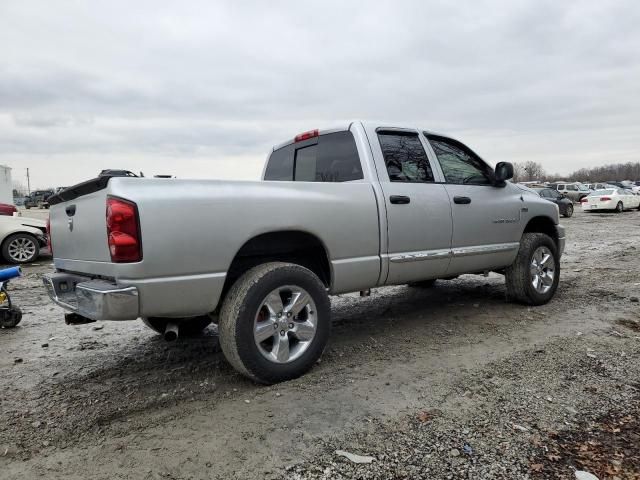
(485, 249)
(456, 252)
(419, 256)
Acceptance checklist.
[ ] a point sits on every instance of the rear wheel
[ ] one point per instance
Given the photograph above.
(188, 327)
(568, 211)
(20, 248)
(533, 277)
(275, 322)
(619, 207)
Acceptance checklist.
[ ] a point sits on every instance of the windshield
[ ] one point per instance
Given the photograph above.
(597, 193)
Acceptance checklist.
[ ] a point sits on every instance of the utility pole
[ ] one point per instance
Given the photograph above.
(28, 183)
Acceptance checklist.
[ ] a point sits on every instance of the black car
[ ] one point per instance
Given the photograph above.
(564, 204)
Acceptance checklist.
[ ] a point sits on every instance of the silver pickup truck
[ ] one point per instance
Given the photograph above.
(339, 210)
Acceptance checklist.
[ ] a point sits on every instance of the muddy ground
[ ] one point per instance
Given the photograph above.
(448, 382)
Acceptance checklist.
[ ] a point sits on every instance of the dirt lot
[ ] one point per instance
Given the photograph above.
(449, 382)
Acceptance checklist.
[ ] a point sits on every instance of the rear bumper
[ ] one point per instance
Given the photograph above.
(94, 299)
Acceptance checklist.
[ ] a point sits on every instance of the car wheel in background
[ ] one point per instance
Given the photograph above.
(20, 248)
(275, 322)
(619, 207)
(10, 318)
(533, 276)
(568, 212)
(187, 327)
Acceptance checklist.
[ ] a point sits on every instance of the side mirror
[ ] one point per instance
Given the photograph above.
(504, 171)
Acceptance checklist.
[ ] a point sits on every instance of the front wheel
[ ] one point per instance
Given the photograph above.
(533, 276)
(619, 207)
(568, 211)
(275, 322)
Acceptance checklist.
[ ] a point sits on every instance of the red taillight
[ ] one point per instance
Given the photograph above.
(49, 244)
(584, 200)
(306, 135)
(123, 232)
(605, 199)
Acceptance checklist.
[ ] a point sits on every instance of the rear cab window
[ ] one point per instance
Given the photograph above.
(331, 157)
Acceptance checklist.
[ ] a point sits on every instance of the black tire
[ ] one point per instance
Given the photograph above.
(188, 327)
(518, 274)
(28, 207)
(10, 318)
(423, 283)
(568, 212)
(28, 239)
(619, 207)
(243, 303)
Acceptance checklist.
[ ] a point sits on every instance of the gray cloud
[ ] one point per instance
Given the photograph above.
(204, 89)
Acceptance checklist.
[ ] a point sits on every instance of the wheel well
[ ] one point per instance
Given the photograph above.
(542, 225)
(297, 247)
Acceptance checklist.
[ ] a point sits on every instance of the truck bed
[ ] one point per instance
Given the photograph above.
(192, 229)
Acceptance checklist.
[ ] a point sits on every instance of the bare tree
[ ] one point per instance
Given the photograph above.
(617, 172)
(19, 190)
(533, 170)
(518, 172)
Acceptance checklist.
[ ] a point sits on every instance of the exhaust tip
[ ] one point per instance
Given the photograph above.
(171, 332)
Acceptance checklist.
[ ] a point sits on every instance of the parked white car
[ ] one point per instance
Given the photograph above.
(21, 238)
(617, 199)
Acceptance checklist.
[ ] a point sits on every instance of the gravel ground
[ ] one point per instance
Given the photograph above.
(448, 382)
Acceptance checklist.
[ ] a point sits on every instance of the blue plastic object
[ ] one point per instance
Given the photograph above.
(9, 273)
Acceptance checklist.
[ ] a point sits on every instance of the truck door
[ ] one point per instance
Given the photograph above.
(417, 208)
(486, 219)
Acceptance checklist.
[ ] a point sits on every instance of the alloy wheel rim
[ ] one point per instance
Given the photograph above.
(22, 249)
(542, 269)
(285, 324)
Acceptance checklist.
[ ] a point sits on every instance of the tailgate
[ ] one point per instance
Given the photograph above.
(78, 228)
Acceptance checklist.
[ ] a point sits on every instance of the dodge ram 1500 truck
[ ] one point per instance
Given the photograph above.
(341, 210)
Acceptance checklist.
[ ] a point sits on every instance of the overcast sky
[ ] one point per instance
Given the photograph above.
(204, 89)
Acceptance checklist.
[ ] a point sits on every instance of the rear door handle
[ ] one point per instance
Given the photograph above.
(399, 199)
(461, 200)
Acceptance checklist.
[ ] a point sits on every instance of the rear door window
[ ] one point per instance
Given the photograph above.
(331, 157)
(405, 157)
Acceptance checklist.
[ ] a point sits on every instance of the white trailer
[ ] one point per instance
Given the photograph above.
(6, 185)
